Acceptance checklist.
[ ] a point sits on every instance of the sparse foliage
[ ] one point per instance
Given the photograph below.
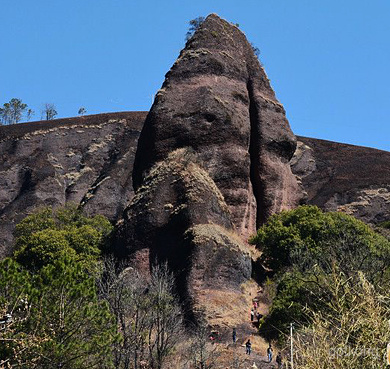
(147, 313)
(49, 111)
(82, 111)
(194, 25)
(166, 325)
(202, 354)
(351, 333)
(255, 50)
(30, 114)
(12, 112)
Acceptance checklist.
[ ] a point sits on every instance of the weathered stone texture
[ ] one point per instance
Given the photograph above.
(341, 177)
(218, 100)
(86, 160)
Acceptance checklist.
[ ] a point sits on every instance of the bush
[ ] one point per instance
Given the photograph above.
(194, 25)
(302, 247)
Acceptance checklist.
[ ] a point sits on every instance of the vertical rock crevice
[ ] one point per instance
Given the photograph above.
(254, 153)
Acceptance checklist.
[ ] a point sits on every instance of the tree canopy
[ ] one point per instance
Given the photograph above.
(48, 287)
(301, 247)
(49, 234)
(12, 112)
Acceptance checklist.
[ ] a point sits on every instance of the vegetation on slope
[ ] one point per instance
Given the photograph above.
(65, 306)
(324, 269)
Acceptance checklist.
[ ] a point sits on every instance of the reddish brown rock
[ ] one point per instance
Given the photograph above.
(217, 100)
(179, 215)
(212, 162)
(86, 160)
(342, 177)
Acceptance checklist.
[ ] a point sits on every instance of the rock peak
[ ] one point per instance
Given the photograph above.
(212, 162)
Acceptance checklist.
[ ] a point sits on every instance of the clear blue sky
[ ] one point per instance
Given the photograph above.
(328, 61)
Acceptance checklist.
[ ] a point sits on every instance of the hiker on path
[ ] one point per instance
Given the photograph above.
(279, 360)
(248, 346)
(252, 314)
(234, 335)
(269, 353)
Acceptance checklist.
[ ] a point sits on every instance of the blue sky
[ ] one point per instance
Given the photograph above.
(328, 61)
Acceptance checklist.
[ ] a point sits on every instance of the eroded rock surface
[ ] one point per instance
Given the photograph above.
(212, 164)
(341, 177)
(218, 100)
(86, 160)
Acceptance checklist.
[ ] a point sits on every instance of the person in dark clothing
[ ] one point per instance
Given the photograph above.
(269, 353)
(234, 335)
(279, 360)
(252, 314)
(248, 346)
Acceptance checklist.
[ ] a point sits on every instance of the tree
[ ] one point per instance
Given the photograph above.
(202, 354)
(194, 25)
(147, 314)
(49, 288)
(125, 290)
(306, 237)
(30, 114)
(5, 114)
(49, 234)
(166, 324)
(59, 322)
(12, 112)
(301, 247)
(49, 111)
(82, 111)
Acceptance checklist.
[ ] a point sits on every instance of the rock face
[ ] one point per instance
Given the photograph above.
(212, 163)
(341, 177)
(218, 100)
(85, 160)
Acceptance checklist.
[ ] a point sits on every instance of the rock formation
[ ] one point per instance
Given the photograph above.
(218, 100)
(86, 160)
(341, 177)
(212, 163)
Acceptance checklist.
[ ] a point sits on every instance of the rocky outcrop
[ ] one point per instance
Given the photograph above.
(86, 160)
(341, 177)
(218, 100)
(212, 163)
(179, 215)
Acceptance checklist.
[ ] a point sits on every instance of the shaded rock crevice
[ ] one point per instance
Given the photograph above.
(254, 152)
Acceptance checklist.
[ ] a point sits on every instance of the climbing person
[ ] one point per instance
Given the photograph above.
(234, 335)
(258, 316)
(248, 346)
(269, 353)
(252, 314)
(279, 360)
(255, 305)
